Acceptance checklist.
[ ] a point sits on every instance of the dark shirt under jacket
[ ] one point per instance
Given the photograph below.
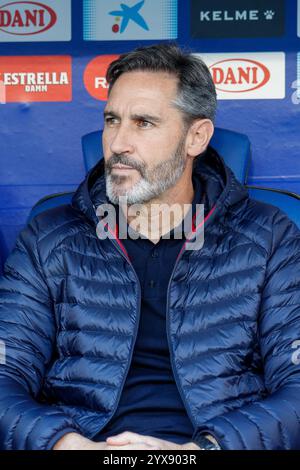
(150, 403)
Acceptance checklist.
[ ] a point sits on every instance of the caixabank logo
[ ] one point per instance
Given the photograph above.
(35, 21)
(233, 18)
(247, 75)
(129, 20)
(36, 78)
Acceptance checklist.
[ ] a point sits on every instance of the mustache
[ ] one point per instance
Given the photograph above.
(123, 159)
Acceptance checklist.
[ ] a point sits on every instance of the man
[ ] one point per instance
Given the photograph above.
(151, 342)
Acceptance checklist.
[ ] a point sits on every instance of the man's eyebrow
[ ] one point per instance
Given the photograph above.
(110, 113)
(135, 117)
(146, 117)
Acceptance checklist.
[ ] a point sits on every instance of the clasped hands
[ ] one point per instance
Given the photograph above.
(124, 441)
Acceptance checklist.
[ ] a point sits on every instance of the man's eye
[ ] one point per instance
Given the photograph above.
(145, 124)
(111, 121)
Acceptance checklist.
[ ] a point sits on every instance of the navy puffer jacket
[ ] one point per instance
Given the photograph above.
(69, 315)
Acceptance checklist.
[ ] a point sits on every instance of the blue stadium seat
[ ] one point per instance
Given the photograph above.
(232, 146)
(48, 202)
(286, 201)
(92, 149)
(235, 149)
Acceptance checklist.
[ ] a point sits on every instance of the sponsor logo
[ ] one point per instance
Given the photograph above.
(239, 75)
(248, 75)
(250, 18)
(18, 17)
(36, 78)
(35, 21)
(94, 76)
(127, 14)
(130, 19)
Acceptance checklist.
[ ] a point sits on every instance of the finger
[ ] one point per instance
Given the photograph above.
(118, 441)
(135, 446)
(125, 438)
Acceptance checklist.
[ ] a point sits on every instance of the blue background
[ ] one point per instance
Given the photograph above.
(41, 142)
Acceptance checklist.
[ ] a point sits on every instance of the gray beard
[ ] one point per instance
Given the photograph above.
(152, 183)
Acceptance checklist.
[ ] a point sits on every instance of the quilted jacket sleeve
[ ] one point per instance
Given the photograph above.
(27, 334)
(274, 422)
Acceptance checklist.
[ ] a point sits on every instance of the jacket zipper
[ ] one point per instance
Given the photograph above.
(168, 337)
(177, 381)
(134, 335)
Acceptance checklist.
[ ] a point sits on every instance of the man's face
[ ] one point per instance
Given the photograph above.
(143, 138)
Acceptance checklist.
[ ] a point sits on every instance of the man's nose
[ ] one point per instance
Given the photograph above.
(122, 141)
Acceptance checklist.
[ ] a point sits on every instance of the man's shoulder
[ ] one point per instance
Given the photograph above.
(54, 225)
(264, 223)
(268, 215)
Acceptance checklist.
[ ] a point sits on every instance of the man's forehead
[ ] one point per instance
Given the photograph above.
(141, 91)
(144, 84)
(138, 109)
(139, 105)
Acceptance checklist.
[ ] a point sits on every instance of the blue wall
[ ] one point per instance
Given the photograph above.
(40, 142)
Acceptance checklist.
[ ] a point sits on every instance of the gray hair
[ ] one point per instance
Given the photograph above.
(196, 97)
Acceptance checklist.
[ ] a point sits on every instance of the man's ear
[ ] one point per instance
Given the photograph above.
(199, 135)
